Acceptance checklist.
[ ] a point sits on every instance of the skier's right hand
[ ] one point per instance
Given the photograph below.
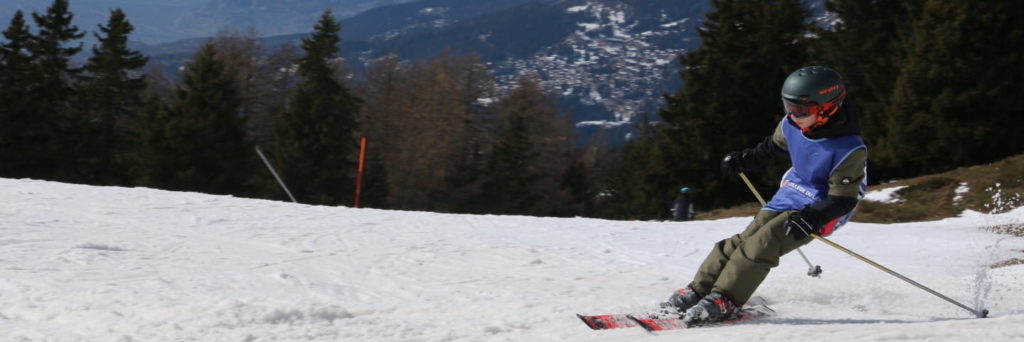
(733, 163)
(803, 223)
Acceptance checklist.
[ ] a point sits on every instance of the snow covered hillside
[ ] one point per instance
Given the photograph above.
(119, 264)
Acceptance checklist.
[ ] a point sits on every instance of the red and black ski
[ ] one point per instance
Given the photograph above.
(601, 322)
(748, 312)
(663, 320)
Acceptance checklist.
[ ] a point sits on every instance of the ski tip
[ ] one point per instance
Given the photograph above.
(590, 323)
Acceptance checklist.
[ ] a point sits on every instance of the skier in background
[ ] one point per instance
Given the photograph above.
(682, 208)
(821, 135)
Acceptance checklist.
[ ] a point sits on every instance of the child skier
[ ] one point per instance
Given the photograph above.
(821, 135)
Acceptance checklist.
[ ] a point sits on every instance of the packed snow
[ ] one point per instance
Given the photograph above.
(81, 263)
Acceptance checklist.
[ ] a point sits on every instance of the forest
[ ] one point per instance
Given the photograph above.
(937, 81)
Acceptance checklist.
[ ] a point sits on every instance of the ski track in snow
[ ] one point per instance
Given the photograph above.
(81, 263)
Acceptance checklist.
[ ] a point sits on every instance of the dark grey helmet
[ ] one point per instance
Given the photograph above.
(816, 89)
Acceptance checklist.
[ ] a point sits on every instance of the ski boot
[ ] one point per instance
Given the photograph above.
(682, 300)
(713, 308)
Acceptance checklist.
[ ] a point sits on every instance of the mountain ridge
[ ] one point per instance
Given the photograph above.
(170, 21)
(608, 61)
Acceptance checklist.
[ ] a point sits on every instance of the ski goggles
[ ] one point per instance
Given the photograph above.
(803, 110)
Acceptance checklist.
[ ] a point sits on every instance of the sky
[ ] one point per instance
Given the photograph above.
(154, 21)
(83, 263)
(165, 21)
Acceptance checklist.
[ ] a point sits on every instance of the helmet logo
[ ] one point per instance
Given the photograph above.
(829, 90)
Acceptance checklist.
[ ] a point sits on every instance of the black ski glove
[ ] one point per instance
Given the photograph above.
(800, 225)
(733, 163)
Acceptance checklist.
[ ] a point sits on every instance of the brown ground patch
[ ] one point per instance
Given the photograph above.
(1008, 229)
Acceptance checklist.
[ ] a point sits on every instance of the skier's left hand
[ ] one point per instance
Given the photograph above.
(801, 224)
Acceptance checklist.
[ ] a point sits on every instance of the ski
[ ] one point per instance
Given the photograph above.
(748, 312)
(662, 319)
(601, 322)
(617, 321)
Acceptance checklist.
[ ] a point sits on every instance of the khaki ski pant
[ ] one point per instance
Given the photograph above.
(738, 265)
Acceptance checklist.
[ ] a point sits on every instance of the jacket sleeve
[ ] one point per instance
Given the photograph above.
(772, 147)
(844, 188)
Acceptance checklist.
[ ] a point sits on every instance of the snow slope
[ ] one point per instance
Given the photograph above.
(80, 263)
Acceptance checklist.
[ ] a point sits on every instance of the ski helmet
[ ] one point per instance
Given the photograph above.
(813, 90)
(684, 190)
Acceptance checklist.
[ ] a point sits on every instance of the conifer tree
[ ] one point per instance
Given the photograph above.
(375, 184)
(19, 130)
(112, 88)
(153, 151)
(54, 95)
(199, 144)
(509, 188)
(868, 61)
(316, 148)
(577, 181)
(638, 184)
(955, 101)
(730, 99)
(53, 50)
(531, 157)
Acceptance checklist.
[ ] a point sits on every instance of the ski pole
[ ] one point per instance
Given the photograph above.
(979, 314)
(813, 270)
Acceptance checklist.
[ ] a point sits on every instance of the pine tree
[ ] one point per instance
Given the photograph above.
(19, 129)
(375, 184)
(631, 186)
(638, 184)
(54, 55)
(153, 153)
(955, 99)
(729, 100)
(199, 144)
(868, 61)
(529, 161)
(316, 147)
(577, 181)
(112, 90)
(54, 95)
(509, 188)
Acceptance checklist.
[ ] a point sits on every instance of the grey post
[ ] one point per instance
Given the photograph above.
(279, 181)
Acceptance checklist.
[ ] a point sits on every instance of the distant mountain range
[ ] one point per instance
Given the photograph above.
(163, 21)
(608, 60)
